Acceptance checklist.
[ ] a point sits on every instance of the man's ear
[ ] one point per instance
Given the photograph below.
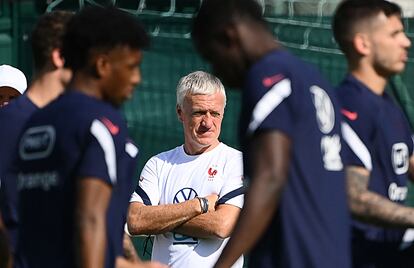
(179, 113)
(229, 36)
(102, 65)
(362, 44)
(57, 59)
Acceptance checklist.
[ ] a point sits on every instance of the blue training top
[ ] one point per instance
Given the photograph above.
(74, 137)
(311, 225)
(379, 138)
(12, 119)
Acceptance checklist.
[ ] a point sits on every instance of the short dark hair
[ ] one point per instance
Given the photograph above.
(350, 13)
(46, 36)
(214, 15)
(100, 29)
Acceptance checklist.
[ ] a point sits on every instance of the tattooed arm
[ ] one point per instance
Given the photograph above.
(371, 207)
(411, 169)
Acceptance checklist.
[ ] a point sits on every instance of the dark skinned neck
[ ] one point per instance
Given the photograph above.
(86, 84)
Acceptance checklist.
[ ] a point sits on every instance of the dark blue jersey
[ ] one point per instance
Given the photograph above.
(75, 137)
(12, 119)
(311, 225)
(379, 138)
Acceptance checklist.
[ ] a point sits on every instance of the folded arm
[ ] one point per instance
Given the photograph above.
(218, 223)
(152, 220)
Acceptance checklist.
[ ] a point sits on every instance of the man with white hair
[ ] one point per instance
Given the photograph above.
(13, 83)
(190, 197)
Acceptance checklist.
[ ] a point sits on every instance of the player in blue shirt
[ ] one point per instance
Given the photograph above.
(371, 35)
(49, 80)
(75, 162)
(295, 213)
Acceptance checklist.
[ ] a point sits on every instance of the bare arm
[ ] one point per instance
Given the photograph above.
(271, 156)
(218, 223)
(371, 207)
(93, 196)
(411, 169)
(160, 219)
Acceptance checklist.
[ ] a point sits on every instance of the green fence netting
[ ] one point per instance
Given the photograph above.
(302, 26)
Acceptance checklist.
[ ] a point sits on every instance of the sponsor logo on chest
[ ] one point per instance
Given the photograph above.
(397, 193)
(399, 158)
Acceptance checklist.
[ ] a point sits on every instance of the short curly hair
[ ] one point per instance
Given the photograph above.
(100, 29)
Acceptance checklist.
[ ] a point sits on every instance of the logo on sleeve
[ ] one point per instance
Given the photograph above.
(350, 115)
(399, 158)
(325, 113)
(271, 80)
(114, 129)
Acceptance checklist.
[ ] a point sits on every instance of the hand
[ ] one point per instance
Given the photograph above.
(212, 199)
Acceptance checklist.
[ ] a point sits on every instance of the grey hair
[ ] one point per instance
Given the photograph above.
(199, 83)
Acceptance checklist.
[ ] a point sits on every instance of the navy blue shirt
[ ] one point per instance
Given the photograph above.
(311, 225)
(379, 139)
(12, 119)
(74, 137)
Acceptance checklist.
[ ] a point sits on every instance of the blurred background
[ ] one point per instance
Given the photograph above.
(302, 26)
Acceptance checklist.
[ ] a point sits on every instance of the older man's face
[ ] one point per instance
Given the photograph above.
(202, 116)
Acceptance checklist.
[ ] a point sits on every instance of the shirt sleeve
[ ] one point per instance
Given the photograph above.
(358, 134)
(232, 192)
(147, 191)
(100, 156)
(270, 92)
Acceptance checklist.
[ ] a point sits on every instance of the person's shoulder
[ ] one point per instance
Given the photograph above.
(285, 70)
(87, 104)
(267, 73)
(84, 108)
(230, 150)
(18, 107)
(353, 94)
(169, 154)
(271, 62)
(230, 153)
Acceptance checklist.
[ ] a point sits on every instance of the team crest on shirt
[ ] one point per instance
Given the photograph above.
(325, 113)
(399, 158)
(212, 172)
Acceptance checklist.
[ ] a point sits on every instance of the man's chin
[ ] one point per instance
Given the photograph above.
(207, 142)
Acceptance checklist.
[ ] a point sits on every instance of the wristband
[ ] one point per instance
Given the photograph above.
(203, 204)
